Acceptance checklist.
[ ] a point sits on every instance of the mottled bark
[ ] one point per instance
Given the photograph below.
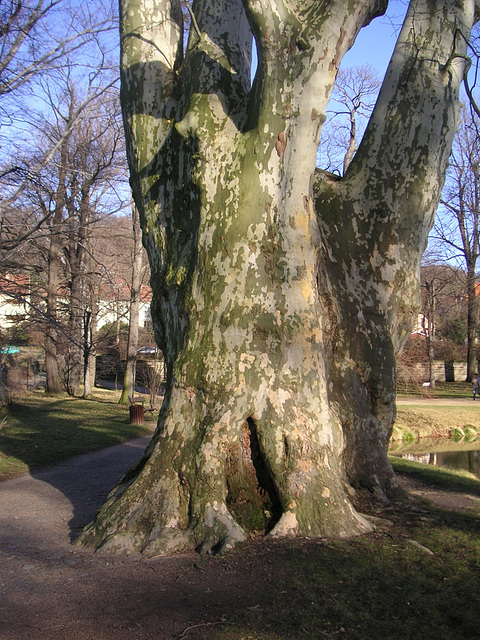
(278, 308)
(374, 226)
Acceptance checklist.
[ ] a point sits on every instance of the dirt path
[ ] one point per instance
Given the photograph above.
(438, 402)
(52, 590)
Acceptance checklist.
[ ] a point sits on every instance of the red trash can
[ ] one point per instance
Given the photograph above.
(136, 414)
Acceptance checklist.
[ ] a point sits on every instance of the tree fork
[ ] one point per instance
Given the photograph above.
(279, 304)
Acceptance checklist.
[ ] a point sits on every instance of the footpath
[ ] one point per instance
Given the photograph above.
(51, 589)
(446, 402)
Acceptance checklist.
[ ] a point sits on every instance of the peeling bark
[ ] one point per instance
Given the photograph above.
(375, 224)
(279, 300)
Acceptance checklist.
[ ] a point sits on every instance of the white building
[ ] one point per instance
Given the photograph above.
(14, 299)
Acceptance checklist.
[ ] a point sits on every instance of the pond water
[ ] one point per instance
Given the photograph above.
(442, 453)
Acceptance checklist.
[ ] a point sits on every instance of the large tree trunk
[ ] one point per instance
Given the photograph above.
(53, 385)
(429, 321)
(374, 226)
(278, 308)
(89, 351)
(74, 356)
(90, 317)
(77, 257)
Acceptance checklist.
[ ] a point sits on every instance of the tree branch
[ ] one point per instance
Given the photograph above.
(407, 148)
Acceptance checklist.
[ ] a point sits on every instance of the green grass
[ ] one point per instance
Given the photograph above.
(439, 477)
(451, 390)
(427, 420)
(37, 430)
(375, 587)
(423, 421)
(441, 390)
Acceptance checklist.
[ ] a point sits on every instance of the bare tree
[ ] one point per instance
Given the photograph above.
(442, 288)
(457, 225)
(84, 180)
(353, 98)
(92, 168)
(37, 38)
(38, 35)
(134, 313)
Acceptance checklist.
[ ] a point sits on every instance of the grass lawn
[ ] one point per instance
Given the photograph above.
(440, 390)
(379, 587)
(38, 430)
(451, 390)
(420, 421)
(428, 420)
(416, 577)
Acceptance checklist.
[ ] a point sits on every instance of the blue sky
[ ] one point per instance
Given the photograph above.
(373, 47)
(374, 44)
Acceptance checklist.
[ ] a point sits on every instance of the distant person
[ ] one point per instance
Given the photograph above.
(475, 385)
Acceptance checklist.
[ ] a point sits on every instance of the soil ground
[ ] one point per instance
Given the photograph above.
(53, 590)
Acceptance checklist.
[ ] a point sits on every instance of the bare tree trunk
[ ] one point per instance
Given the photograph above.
(53, 385)
(461, 205)
(53, 379)
(77, 257)
(132, 345)
(352, 142)
(89, 357)
(472, 325)
(429, 328)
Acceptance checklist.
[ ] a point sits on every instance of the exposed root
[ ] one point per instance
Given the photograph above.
(287, 526)
(220, 531)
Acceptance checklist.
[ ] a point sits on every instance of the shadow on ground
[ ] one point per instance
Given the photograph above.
(87, 480)
(373, 587)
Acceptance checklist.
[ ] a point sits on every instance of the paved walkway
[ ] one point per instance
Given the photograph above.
(40, 513)
(446, 402)
(53, 590)
(79, 484)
